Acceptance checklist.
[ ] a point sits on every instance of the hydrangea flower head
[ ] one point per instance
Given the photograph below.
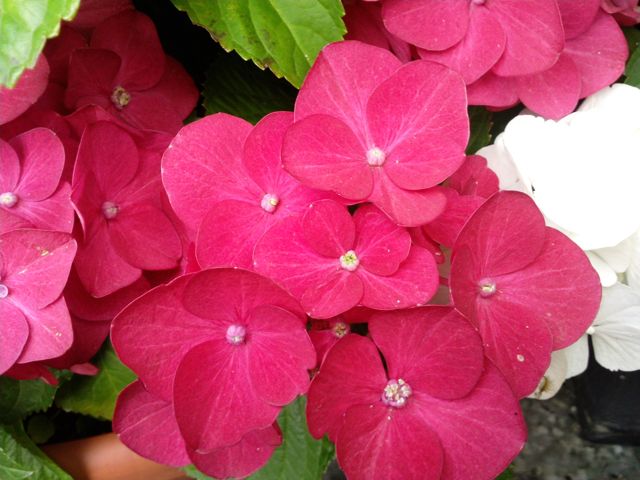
(333, 262)
(31, 192)
(438, 410)
(34, 266)
(369, 128)
(527, 288)
(220, 340)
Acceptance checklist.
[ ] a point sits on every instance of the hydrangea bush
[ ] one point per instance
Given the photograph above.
(355, 272)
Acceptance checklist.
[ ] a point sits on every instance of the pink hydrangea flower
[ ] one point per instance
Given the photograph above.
(146, 424)
(126, 72)
(34, 266)
(369, 128)
(332, 262)
(593, 57)
(526, 287)
(220, 340)
(473, 37)
(474, 177)
(626, 12)
(225, 180)
(324, 334)
(31, 192)
(438, 410)
(32, 83)
(118, 196)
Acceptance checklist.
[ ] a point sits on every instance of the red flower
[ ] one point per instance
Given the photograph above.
(32, 83)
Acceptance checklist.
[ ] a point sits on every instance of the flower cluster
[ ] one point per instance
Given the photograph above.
(81, 136)
(568, 51)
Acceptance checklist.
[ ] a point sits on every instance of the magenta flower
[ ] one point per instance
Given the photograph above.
(325, 334)
(34, 266)
(92, 12)
(126, 72)
(31, 192)
(474, 177)
(526, 287)
(438, 410)
(593, 57)
(332, 262)
(369, 128)
(32, 83)
(118, 196)
(220, 340)
(474, 37)
(146, 424)
(225, 181)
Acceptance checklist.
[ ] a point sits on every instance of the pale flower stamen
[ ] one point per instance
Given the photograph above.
(120, 97)
(110, 210)
(236, 334)
(349, 261)
(270, 202)
(8, 199)
(396, 393)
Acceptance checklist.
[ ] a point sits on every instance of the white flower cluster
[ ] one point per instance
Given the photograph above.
(583, 172)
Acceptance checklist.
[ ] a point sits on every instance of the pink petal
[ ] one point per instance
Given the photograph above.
(407, 208)
(145, 423)
(418, 118)
(383, 443)
(352, 374)
(92, 12)
(32, 83)
(36, 265)
(489, 416)
(101, 269)
(88, 337)
(145, 238)
(577, 15)
(283, 255)
(53, 213)
(479, 50)
(133, 37)
(92, 73)
(177, 86)
(429, 24)
(41, 155)
(504, 235)
(324, 153)
(9, 167)
(332, 295)
(153, 333)
(263, 148)
(280, 355)
(341, 81)
(533, 49)
(13, 335)
(381, 245)
(212, 378)
(474, 177)
(599, 53)
(243, 458)
(58, 51)
(493, 91)
(434, 349)
(328, 228)
(415, 282)
(553, 93)
(210, 293)
(50, 331)
(229, 232)
(446, 227)
(203, 164)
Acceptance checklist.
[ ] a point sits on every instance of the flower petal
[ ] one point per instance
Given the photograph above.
(13, 335)
(328, 228)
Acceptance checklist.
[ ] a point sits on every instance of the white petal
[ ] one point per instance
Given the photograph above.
(633, 272)
(553, 378)
(577, 356)
(607, 274)
(618, 257)
(499, 160)
(618, 104)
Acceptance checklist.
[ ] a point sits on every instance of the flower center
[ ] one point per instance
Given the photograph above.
(396, 393)
(349, 261)
(8, 199)
(4, 291)
(340, 329)
(120, 97)
(270, 202)
(487, 287)
(236, 334)
(110, 210)
(376, 157)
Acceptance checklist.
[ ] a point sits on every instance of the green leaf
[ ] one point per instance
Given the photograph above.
(20, 458)
(236, 87)
(96, 396)
(25, 26)
(20, 398)
(284, 35)
(481, 123)
(632, 72)
(506, 475)
(300, 457)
